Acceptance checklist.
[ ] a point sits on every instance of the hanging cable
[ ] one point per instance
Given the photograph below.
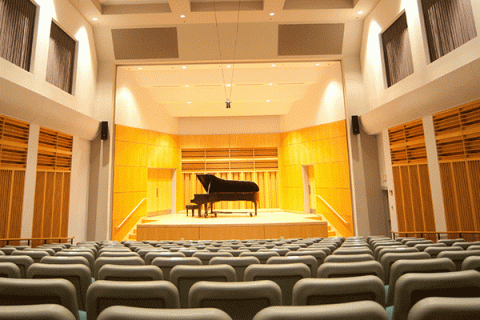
(229, 95)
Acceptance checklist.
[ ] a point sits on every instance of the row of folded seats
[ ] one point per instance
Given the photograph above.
(315, 278)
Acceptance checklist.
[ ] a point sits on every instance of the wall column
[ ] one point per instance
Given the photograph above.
(434, 174)
(30, 179)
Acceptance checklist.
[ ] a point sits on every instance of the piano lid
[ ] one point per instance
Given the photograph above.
(213, 184)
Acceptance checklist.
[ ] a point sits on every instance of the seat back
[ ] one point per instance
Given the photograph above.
(9, 270)
(339, 290)
(145, 294)
(309, 261)
(36, 312)
(441, 308)
(413, 287)
(238, 263)
(285, 275)
(87, 255)
(35, 255)
(350, 250)
(471, 263)
(205, 256)
(133, 313)
(358, 310)
(338, 258)
(434, 251)
(167, 263)
(241, 301)
(39, 291)
(385, 250)
(262, 256)
(458, 256)
(118, 254)
(352, 269)
(101, 261)
(185, 276)
(78, 274)
(113, 272)
(162, 254)
(23, 263)
(389, 258)
(402, 267)
(66, 260)
(320, 255)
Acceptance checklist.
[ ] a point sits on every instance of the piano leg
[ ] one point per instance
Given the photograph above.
(255, 202)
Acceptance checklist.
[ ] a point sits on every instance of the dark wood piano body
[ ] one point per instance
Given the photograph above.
(225, 190)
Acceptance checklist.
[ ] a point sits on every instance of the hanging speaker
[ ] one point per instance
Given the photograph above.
(104, 130)
(355, 125)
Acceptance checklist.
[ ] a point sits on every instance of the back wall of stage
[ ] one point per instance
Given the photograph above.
(323, 148)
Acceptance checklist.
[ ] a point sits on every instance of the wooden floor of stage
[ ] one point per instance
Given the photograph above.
(234, 225)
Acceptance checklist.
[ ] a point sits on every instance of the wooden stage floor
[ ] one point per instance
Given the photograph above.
(236, 225)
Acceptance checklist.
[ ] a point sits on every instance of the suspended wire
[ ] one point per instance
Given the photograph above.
(227, 96)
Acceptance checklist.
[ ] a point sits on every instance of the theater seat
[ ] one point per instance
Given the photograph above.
(359, 310)
(241, 301)
(36, 312)
(441, 308)
(132, 313)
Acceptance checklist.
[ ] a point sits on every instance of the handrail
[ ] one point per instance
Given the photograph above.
(134, 209)
(34, 239)
(333, 210)
(437, 233)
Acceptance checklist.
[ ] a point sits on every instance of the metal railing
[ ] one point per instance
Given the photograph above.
(130, 214)
(333, 210)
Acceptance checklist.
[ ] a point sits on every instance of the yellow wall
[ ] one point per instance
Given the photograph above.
(136, 150)
(324, 147)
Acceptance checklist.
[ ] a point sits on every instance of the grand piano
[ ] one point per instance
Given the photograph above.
(224, 190)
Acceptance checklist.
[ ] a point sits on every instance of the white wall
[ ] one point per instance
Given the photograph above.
(323, 103)
(134, 107)
(228, 125)
(27, 96)
(449, 81)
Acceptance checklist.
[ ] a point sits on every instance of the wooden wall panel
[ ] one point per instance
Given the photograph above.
(413, 196)
(13, 160)
(136, 152)
(325, 148)
(52, 187)
(457, 132)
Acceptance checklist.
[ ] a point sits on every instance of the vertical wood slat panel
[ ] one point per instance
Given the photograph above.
(417, 211)
(15, 224)
(65, 204)
(58, 206)
(427, 202)
(465, 214)
(5, 191)
(49, 204)
(399, 199)
(407, 198)
(474, 169)
(450, 204)
(38, 207)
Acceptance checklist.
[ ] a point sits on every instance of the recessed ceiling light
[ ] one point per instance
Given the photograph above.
(360, 12)
(268, 100)
(184, 67)
(229, 66)
(189, 102)
(94, 19)
(182, 16)
(317, 64)
(228, 85)
(270, 84)
(273, 65)
(186, 86)
(139, 68)
(272, 13)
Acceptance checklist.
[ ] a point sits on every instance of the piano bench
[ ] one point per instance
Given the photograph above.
(193, 207)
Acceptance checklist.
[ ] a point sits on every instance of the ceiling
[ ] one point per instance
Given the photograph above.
(206, 36)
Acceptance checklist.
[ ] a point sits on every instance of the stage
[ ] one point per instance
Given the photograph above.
(235, 225)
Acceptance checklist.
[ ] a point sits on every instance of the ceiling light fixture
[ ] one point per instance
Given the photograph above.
(273, 65)
(139, 68)
(95, 19)
(272, 13)
(270, 84)
(186, 86)
(182, 16)
(360, 12)
(228, 95)
(189, 102)
(268, 100)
